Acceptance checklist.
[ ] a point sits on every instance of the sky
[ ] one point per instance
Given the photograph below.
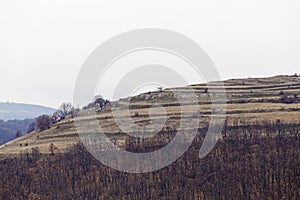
(43, 43)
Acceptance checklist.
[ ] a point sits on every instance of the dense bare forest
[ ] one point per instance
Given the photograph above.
(253, 161)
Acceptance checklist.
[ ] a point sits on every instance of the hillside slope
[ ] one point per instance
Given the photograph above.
(248, 100)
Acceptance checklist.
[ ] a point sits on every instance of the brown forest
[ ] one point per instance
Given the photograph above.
(254, 161)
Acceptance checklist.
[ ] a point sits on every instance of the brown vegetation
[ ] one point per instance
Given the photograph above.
(253, 161)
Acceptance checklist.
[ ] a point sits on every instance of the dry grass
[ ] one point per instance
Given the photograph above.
(261, 96)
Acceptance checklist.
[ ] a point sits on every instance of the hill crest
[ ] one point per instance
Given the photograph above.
(248, 100)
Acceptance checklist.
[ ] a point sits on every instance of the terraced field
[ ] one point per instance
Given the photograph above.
(247, 100)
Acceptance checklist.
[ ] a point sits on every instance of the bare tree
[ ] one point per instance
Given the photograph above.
(97, 101)
(67, 108)
(42, 122)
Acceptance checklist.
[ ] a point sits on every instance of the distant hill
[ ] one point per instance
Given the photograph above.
(15, 119)
(11, 111)
(11, 129)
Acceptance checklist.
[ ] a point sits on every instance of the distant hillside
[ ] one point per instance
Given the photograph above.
(11, 111)
(11, 129)
(15, 119)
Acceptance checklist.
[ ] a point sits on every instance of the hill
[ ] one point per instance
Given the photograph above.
(15, 119)
(257, 156)
(248, 100)
(11, 111)
(11, 129)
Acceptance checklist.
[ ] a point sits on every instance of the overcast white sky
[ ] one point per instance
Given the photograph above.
(43, 43)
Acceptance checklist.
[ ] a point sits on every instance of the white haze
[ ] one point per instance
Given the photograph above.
(44, 43)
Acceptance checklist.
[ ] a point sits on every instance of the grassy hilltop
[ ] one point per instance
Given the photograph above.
(248, 100)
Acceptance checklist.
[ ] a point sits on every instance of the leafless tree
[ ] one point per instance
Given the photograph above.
(67, 108)
(42, 122)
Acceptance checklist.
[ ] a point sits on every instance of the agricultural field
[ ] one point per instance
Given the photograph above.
(247, 101)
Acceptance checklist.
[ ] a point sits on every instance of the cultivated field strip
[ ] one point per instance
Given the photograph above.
(247, 100)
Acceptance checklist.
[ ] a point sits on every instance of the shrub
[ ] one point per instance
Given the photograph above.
(285, 99)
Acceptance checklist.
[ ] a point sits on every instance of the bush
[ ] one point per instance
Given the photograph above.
(286, 99)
